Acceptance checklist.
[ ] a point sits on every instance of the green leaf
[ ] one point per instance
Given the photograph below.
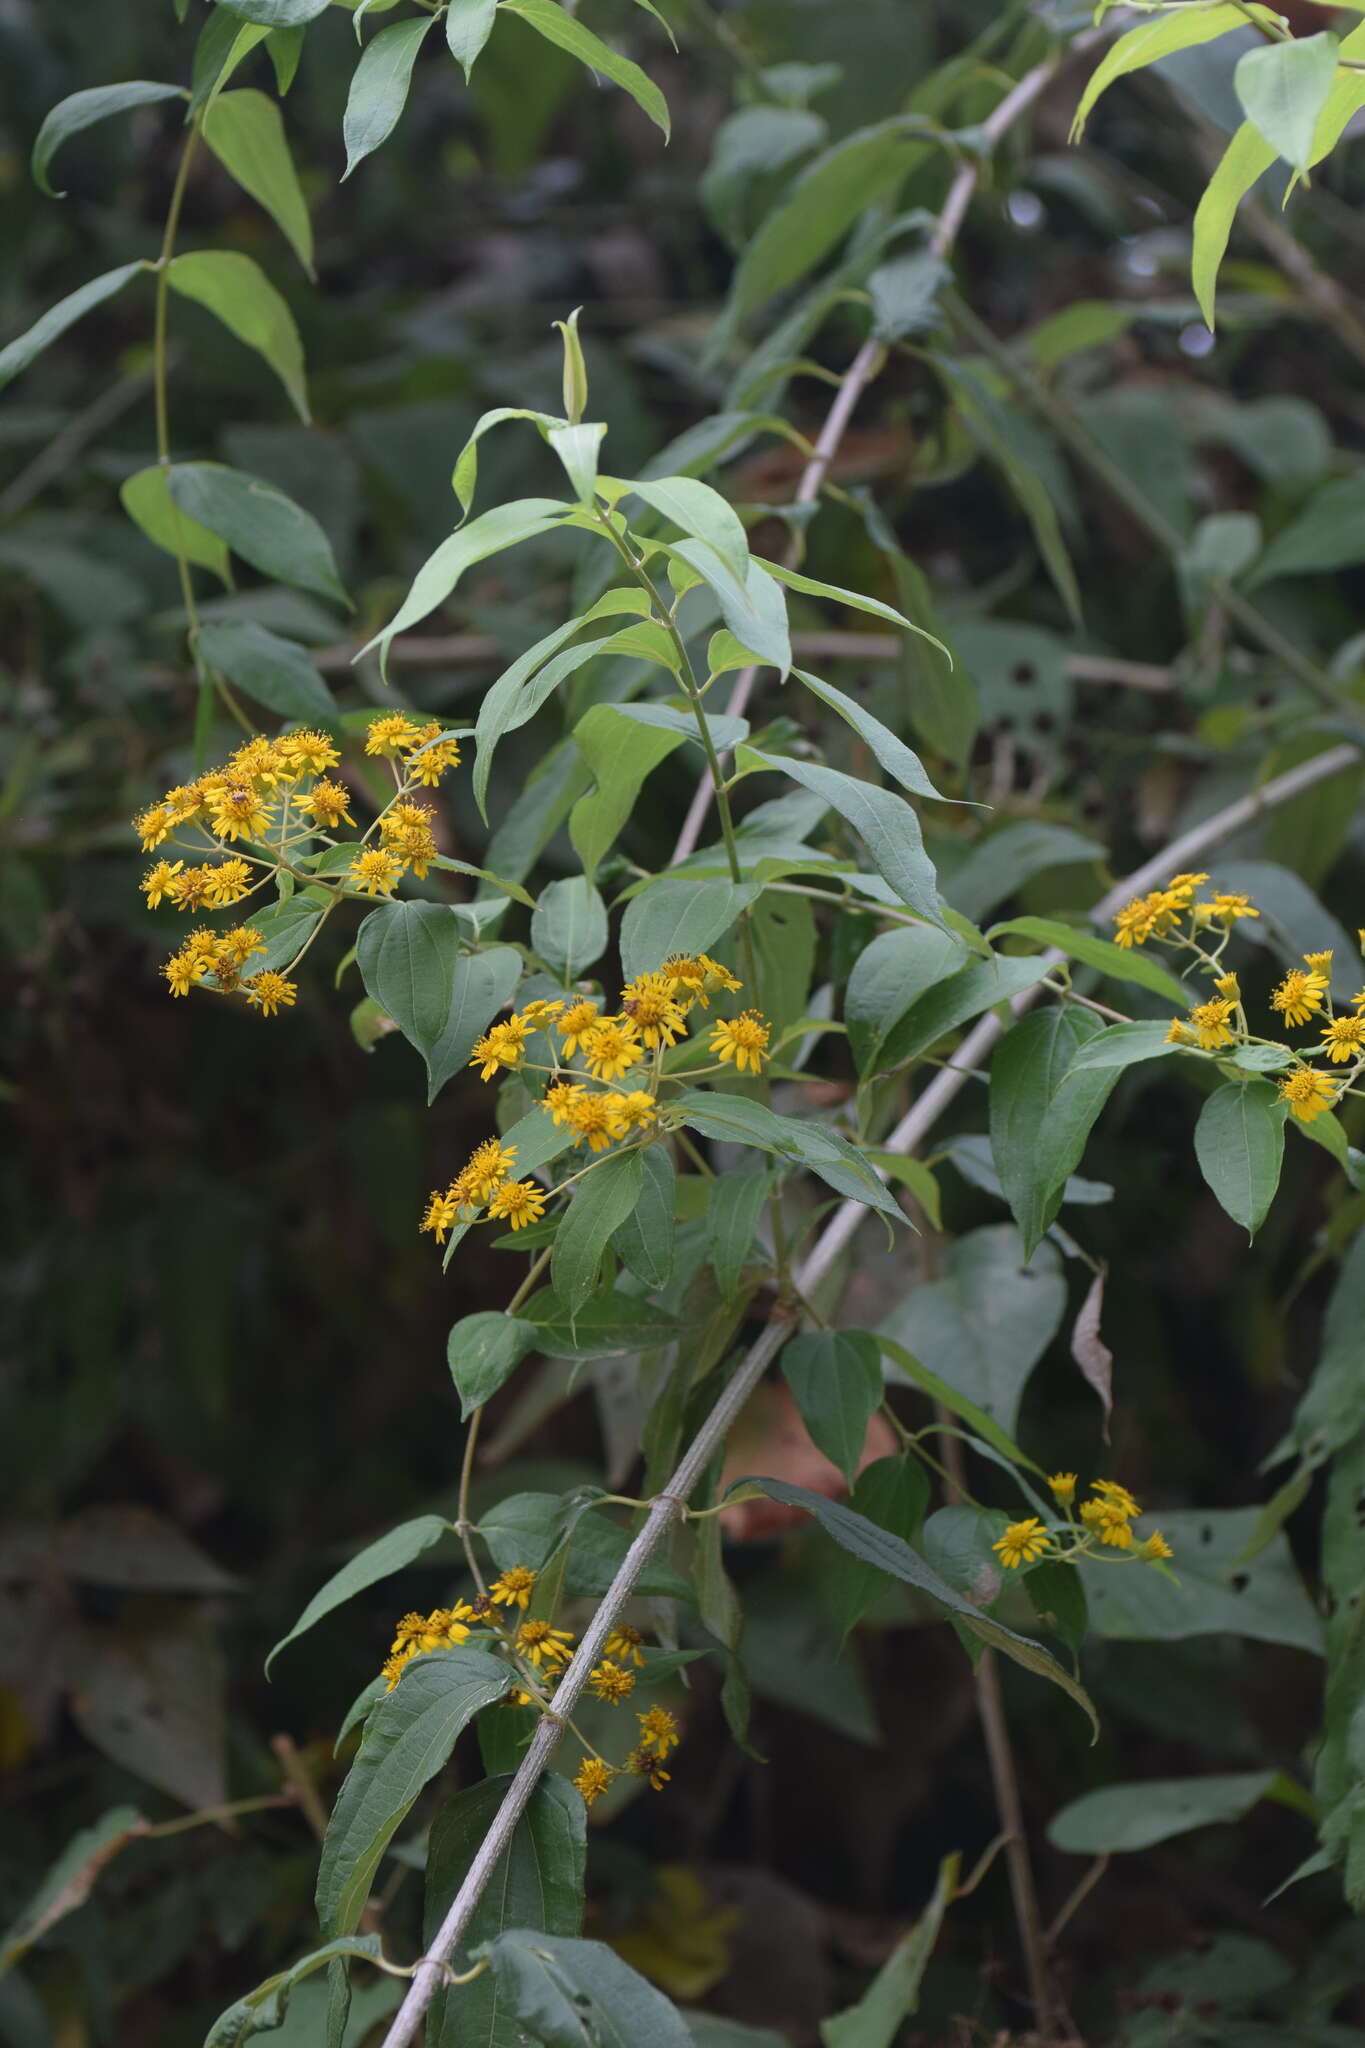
(645, 1241)
(893, 1493)
(1332, 1411)
(1039, 1119)
(69, 1881)
(621, 752)
(677, 916)
(1210, 1588)
(879, 1547)
(504, 527)
(260, 524)
(735, 1203)
(1181, 28)
(567, 1994)
(440, 998)
(247, 303)
(905, 294)
(1283, 88)
(954, 1400)
(564, 29)
(1239, 1143)
(276, 13)
(275, 672)
(285, 47)
(893, 1993)
(569, 927)
(954, 1001)
(1117, 963)
(1121, 1818)
(1329, 533)
(146, 498)
(469, 23)
(532, 1528)
(284, 927)
(536, 1883)
(859, 602)
(609, 1326)
(81, 110)
(988, 1321)
(266, 2008)
(899, 761)
(749, 145)
(701, 513)
(245, 131)
(25, 348)
(1124, 1045)
(888, 976)
(836, 1381)
(379, 88)
(378, 1560)
(885, 822)
(1057, 1597)
(483, 1352)
(600, 1203)
(734, 1120)
(752, 607)
(408, 1739)
(579, 448)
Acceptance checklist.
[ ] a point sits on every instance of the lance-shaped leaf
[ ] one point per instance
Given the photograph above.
(23, 350)
(645, 1240)
(379, 88)
(700, 512)
(408, 1738)
(600, 1203)
(70, 1880)
(1039, 1119)
(504, 527)
(1118, 963)
(81, 110)
(900, 762)
(378, 1560)
(1120, 1818)
(753, 606)
(735, 1120)
(885, 822)
(557, 25)
(277, 13)
(242, 296)
(146, 498)
(836, 1381)
(245, 131)
(1181, 28)
(260, 524)
(469, 23)
(894, 1992)
(276, 672)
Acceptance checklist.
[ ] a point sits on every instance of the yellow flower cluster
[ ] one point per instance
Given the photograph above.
(443, 1629)
(1106, 1519)
(271, 801)
(1303, 997)
(659, 1736)
(484, 1181)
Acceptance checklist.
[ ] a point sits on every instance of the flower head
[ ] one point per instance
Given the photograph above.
(592, 1778)
(542, 1645)
(611, 1682)
(559, 1099)
(238, 811)
(1155, 1546)
(442, 1214)
(624, 1644)
(433, 756)
(575, 1021)
(489, 1165)
(1308, 1091)
(1228, 905)
(391, 735)
(644, 1762)
(1211, 1026)
(1180, 889)
(225, 882)
(517, 1202)
(611, 1047)
(502, 1045)
(269, 992)
(659, 1731)
(636, 1110)
(156, 883)
(649, 1003)
(153, 825)
(375, 871)
(1299, 995)
(514, 1587)
(326, 804)
(743, 1039)
(592, 1119)
(1320, 963)
(305, 753)
(1022, 1543)
(1343, 1038)
(1063, 1486)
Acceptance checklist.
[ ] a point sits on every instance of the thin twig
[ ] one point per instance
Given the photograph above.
(670, 1504)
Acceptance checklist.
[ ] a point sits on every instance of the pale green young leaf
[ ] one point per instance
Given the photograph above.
(276, 672)
(1118, 963)
(245, 131)
(893, 1994)
(277, 13)
(564, 29)
(485, 1349)
(885, 822)
(578, 447)
(954, 1400)
(646, 1239)
(753, 608)
(379, 88)
(469, 23)
(569, 927)
(1176, 28)
(146, 498)
(1124, 1045)
(600, 1203)
(836, 1381)
(1283, 88)
(574, 382)
(568, 1993)
(260, 524)
(1239, 1143)
(408, 1738)
(679, 916)
(82, 110)
(249, 37)
(905, 294)
(699, 512)
(504, 527)
(284, 47)
(378, 1560)
(900, 762)
(25, 348)
(856, 599)
(464, 477)
(241, 295)
(1118, 1819)
(621, 752)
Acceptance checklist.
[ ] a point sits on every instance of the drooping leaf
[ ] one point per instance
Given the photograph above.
(607, 1326)
(569, 927)
(1332, 1411)
(70, 1880)
(25, 348)
(469, 23)
(753, 607)
(504, 527)
(1039, 1118)
(899, 761)
(1121, 1818)
(1283, 88)
(266, 2008)
(146, 498)
(560, 27)
(484, 1350)
(379, 88)
(700, 512)
(735, 1120)
(1179, 29)
(894, 1992)
(245, 131)
(378, 1560)
(260, 524)
(1124, 1045)
(276, 672)
(836, 1381)
(1239, 1143)
(621, 752)
(601, 1202)
(890, 974)
(884, 821)
(893, 1493)
(645, 1239)
(238, 291)
(81, 110)
(407, 1739)
(567, 1993)
(1116, 962)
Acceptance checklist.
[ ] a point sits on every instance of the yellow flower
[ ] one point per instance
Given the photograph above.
(269, 992)
(1321, 963)
(1343, 1038)
(517, 1202)
(743, 1039)
(153, 825)
(237, 811)
(405, 829)
(436, 757)
(514, 1588)
(592, 1120)
(1298, 996)
(649, 1003)
(1229, 986)
(1179, 1034)
(559, 1099)
(1227, 906)
(592, 1778)
(538, 1014)
(189, 889)
(259, 760)
(687, 979)
(635, 1110)
(489, 1165)
(658, 1731)
(1155, 1546)
(501, 1046)
(611, 1047)
(1063, 1485)
(442, 1213)
(157, 881)
(226, 881)
(305, 753)
(1180, 889)
(1210, 1022)
(542, 1645)
(1114, 1529)
(1133, 924)
(1116, 1498)
(326, 804)
(644, 1763)
(391, 735)
(375, 871)
(624, 1645)
(182, 970)
(610, 1682)
(1308, 1091)
(717, 978)
(395, 1666)
(577, 1019)
(1022, 1543)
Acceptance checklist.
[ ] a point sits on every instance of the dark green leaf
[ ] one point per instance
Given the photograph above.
(69, 1882)
(885, 822)
(646, 1238)
(888, 976)
(26, 347)
(379, 89)
(954, 1001)
(679, 916)
(621, 751)
(560, 27)
(81, 110)
(238, 291)
(899, 761)
(260, 524)
(284, 927)
(265, 2009)
(599, 1204)
(440, 998)
(1213, 1592)
(1121, 1818)
(1040, 1119)
(999, 866)
(836, 1381)
(378, 1560)
(893, 1493)
(894, 1992)
(605, 1327)
(1239, 1143)
(569, 1994)
(276, 13)
(1116, 962)
(737, 1121)
(1124, 1045)
(569, 928)
(483, 1351)
(735, 1203)
(276, 672)
(146, 498)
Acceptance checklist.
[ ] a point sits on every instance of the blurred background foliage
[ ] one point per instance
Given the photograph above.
(224, 1340)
